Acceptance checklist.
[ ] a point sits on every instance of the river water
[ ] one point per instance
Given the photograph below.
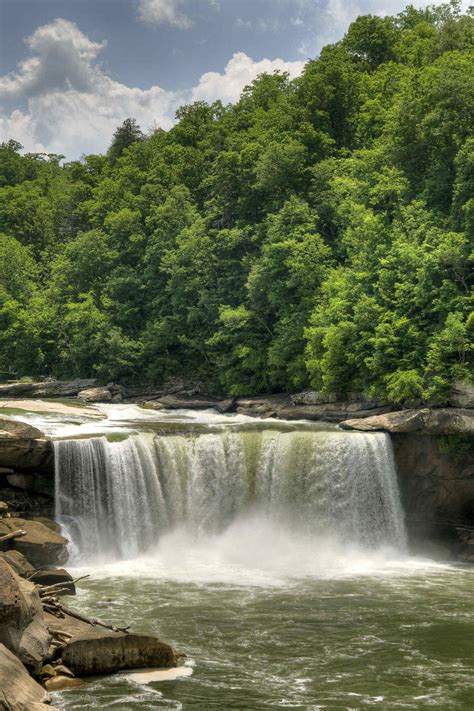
(274, 555)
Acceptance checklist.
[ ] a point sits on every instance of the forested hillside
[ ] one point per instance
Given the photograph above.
(317, 233)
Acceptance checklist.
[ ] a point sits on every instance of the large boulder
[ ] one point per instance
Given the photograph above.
(441, 421)
(94, 650)
(462, 395)
(95, 395)
(106, 652)
(22, 627)
(41, 545)
(18, 691)
(24, 447)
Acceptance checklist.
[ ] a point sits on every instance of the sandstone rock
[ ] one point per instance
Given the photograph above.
(53, 576)
(40, 545)
(48, 522)
(48, 388)
(57, 683)
(95, 395)
(22, 627)
(313, 397)
(20, 481)
(172, 402)
(62, 670)
(106, 652)
(23, 447)
(462, 395)
(18, 691)
(18, 562)
(58, 408)
(426, 421)
(4, 507)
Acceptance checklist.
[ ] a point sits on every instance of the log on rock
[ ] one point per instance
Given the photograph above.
(13, 534)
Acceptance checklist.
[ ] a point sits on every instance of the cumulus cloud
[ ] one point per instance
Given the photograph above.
(239, 71)
(159, 12)
(69, 105)
(72, 105)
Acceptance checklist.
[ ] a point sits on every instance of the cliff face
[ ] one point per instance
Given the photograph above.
(436, 475)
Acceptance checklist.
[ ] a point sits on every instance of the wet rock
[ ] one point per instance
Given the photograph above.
(462, 395)
(95, 395)
(58, 683)
(22, 627)
(54, 576)
(443, 421)
(18, 562)
(40, 545)
(18, 691)
(106, 652)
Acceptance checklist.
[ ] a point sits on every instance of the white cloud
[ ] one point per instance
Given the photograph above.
(72, 105)
(239, 71)
(159, 12)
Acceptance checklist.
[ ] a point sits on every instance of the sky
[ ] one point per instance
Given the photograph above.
(72, 70)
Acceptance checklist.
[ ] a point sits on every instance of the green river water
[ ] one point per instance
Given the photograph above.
(401, 638)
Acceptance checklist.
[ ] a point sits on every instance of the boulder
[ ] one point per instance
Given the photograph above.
(106, 652)
(22, 627)
(95, 395)
(18, 691)
(441, 421)
(23, 447)
(93, 650)
(462, 395)
(18, 562)
(48, 388)
(48, 522)
(57, 408)
(59, 682)
(53, 576)
(40, 545)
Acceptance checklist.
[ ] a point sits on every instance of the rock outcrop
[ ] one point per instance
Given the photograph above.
(22, 627)
(18, 691)
(23, 447)
(462, 395)
(47, 388)
(443, 421)
(40, 545)
(173, 402)
(436, 478)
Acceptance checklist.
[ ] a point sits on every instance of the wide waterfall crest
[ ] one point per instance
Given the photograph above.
(117, 498)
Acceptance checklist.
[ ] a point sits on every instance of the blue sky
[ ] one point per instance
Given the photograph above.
(72, 70)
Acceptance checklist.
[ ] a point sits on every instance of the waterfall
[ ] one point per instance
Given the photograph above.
(117, 498)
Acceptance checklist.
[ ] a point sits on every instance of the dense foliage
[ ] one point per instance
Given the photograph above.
(317, 233)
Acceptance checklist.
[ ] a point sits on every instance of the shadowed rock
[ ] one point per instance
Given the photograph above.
(18, 691)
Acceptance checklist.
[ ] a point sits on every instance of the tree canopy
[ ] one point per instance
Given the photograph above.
(317, 233)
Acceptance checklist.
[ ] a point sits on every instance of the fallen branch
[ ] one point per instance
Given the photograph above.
(57, 587)
(13, 534)
(90, 620)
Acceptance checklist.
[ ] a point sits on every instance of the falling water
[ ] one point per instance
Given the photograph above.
(117, 499)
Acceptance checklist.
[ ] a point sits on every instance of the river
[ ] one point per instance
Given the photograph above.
(273, 554)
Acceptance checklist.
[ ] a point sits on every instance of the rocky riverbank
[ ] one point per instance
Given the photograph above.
(46, 645)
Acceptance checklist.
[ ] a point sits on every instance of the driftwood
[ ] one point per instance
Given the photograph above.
(90, 620)
(57, 588)
(13, 534)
